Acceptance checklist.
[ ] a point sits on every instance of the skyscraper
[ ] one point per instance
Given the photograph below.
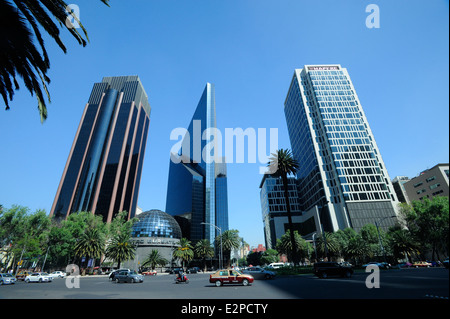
(197, 184)
(274, 213)
(341, 174)
(103, 171)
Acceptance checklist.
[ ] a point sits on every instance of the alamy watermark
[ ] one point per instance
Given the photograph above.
(73, 16)
(73, 279)
(373, 279)
(373, 19)
(217, 149)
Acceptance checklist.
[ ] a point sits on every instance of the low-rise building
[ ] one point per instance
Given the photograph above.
(429, 183)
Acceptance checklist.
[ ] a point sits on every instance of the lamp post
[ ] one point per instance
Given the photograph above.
(322, 230)
(220, 234)
(314, 241)
(379, 235)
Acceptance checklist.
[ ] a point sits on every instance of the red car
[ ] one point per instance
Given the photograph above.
(149, 273)
(230, 276)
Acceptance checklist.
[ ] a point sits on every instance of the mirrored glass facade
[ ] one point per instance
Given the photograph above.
(341, 165)
(197, 184)
(103, 171)
(156, 223)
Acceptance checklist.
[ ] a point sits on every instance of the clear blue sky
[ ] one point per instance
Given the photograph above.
(249, 50)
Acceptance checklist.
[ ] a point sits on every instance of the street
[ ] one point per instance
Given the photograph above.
(427, 283)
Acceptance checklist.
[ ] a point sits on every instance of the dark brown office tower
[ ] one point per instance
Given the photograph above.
(103, 171)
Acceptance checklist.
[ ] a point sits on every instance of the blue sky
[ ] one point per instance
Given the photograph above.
(249, 50)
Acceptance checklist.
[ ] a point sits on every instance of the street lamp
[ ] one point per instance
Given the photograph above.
(379, 235)
(220, 234)
(322, 229)
(314, 241)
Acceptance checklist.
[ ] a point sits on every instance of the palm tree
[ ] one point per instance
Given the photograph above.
(90, 244)
(282, 164)
(230, 240)
(284, 245)
(184, 252)
(402, 242)
(358, 248)
(332, 243)
(21, 41)
(154, 259)
(203, 249)
(121, 248)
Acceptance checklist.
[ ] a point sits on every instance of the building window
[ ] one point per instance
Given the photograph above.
(435, 185)
(423, 190)
(418, 184)
(431, 179)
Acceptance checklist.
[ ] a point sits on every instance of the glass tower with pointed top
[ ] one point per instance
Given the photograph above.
(197, 184)
(103, 171)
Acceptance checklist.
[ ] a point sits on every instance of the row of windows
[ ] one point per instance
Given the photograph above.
(332, 97)
(360, 179)
(339, 109)
(366, 196)
(349, 141)
(356, 163)
(332, 116)
(359, 171)
(423, 190)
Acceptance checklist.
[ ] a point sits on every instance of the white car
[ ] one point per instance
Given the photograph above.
(58, 274)
(38, 277)
(6, 279)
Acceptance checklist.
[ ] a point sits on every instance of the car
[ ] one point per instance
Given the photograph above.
(275, 265)
(22, 274)
(230, 276)
(418, 264)
(325, 269)
(7, 279)
(405, 265)
(445, 262)
(176, 270)
(128, 276)
(149, 273)
(38, 277)
(113, 274)
(193, 270)
(433, 263)
(259, 273)
(383, 265)
(58, 274)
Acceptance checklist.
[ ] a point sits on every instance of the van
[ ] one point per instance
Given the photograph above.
(276, 265)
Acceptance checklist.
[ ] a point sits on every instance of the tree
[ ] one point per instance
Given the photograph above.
(184, 252)
(23, 234)
(121, 248)
(284, 246)
(282, 164)
(203, 250)
(230, 240)
(90, 244)
(369, 234)
(21, 42)
(402, 243)
(254, 258)
(358, 248)
(269, 256)
(428, 221)
(154, 259)
(332, 243)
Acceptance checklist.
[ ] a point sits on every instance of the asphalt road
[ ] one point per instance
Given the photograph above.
(432, 283)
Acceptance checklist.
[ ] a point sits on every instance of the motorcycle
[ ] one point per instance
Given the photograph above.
(181, 278)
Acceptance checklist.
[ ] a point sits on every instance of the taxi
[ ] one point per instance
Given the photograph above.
(230, 276)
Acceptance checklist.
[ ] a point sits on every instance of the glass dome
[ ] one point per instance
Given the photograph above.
(156, 223)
